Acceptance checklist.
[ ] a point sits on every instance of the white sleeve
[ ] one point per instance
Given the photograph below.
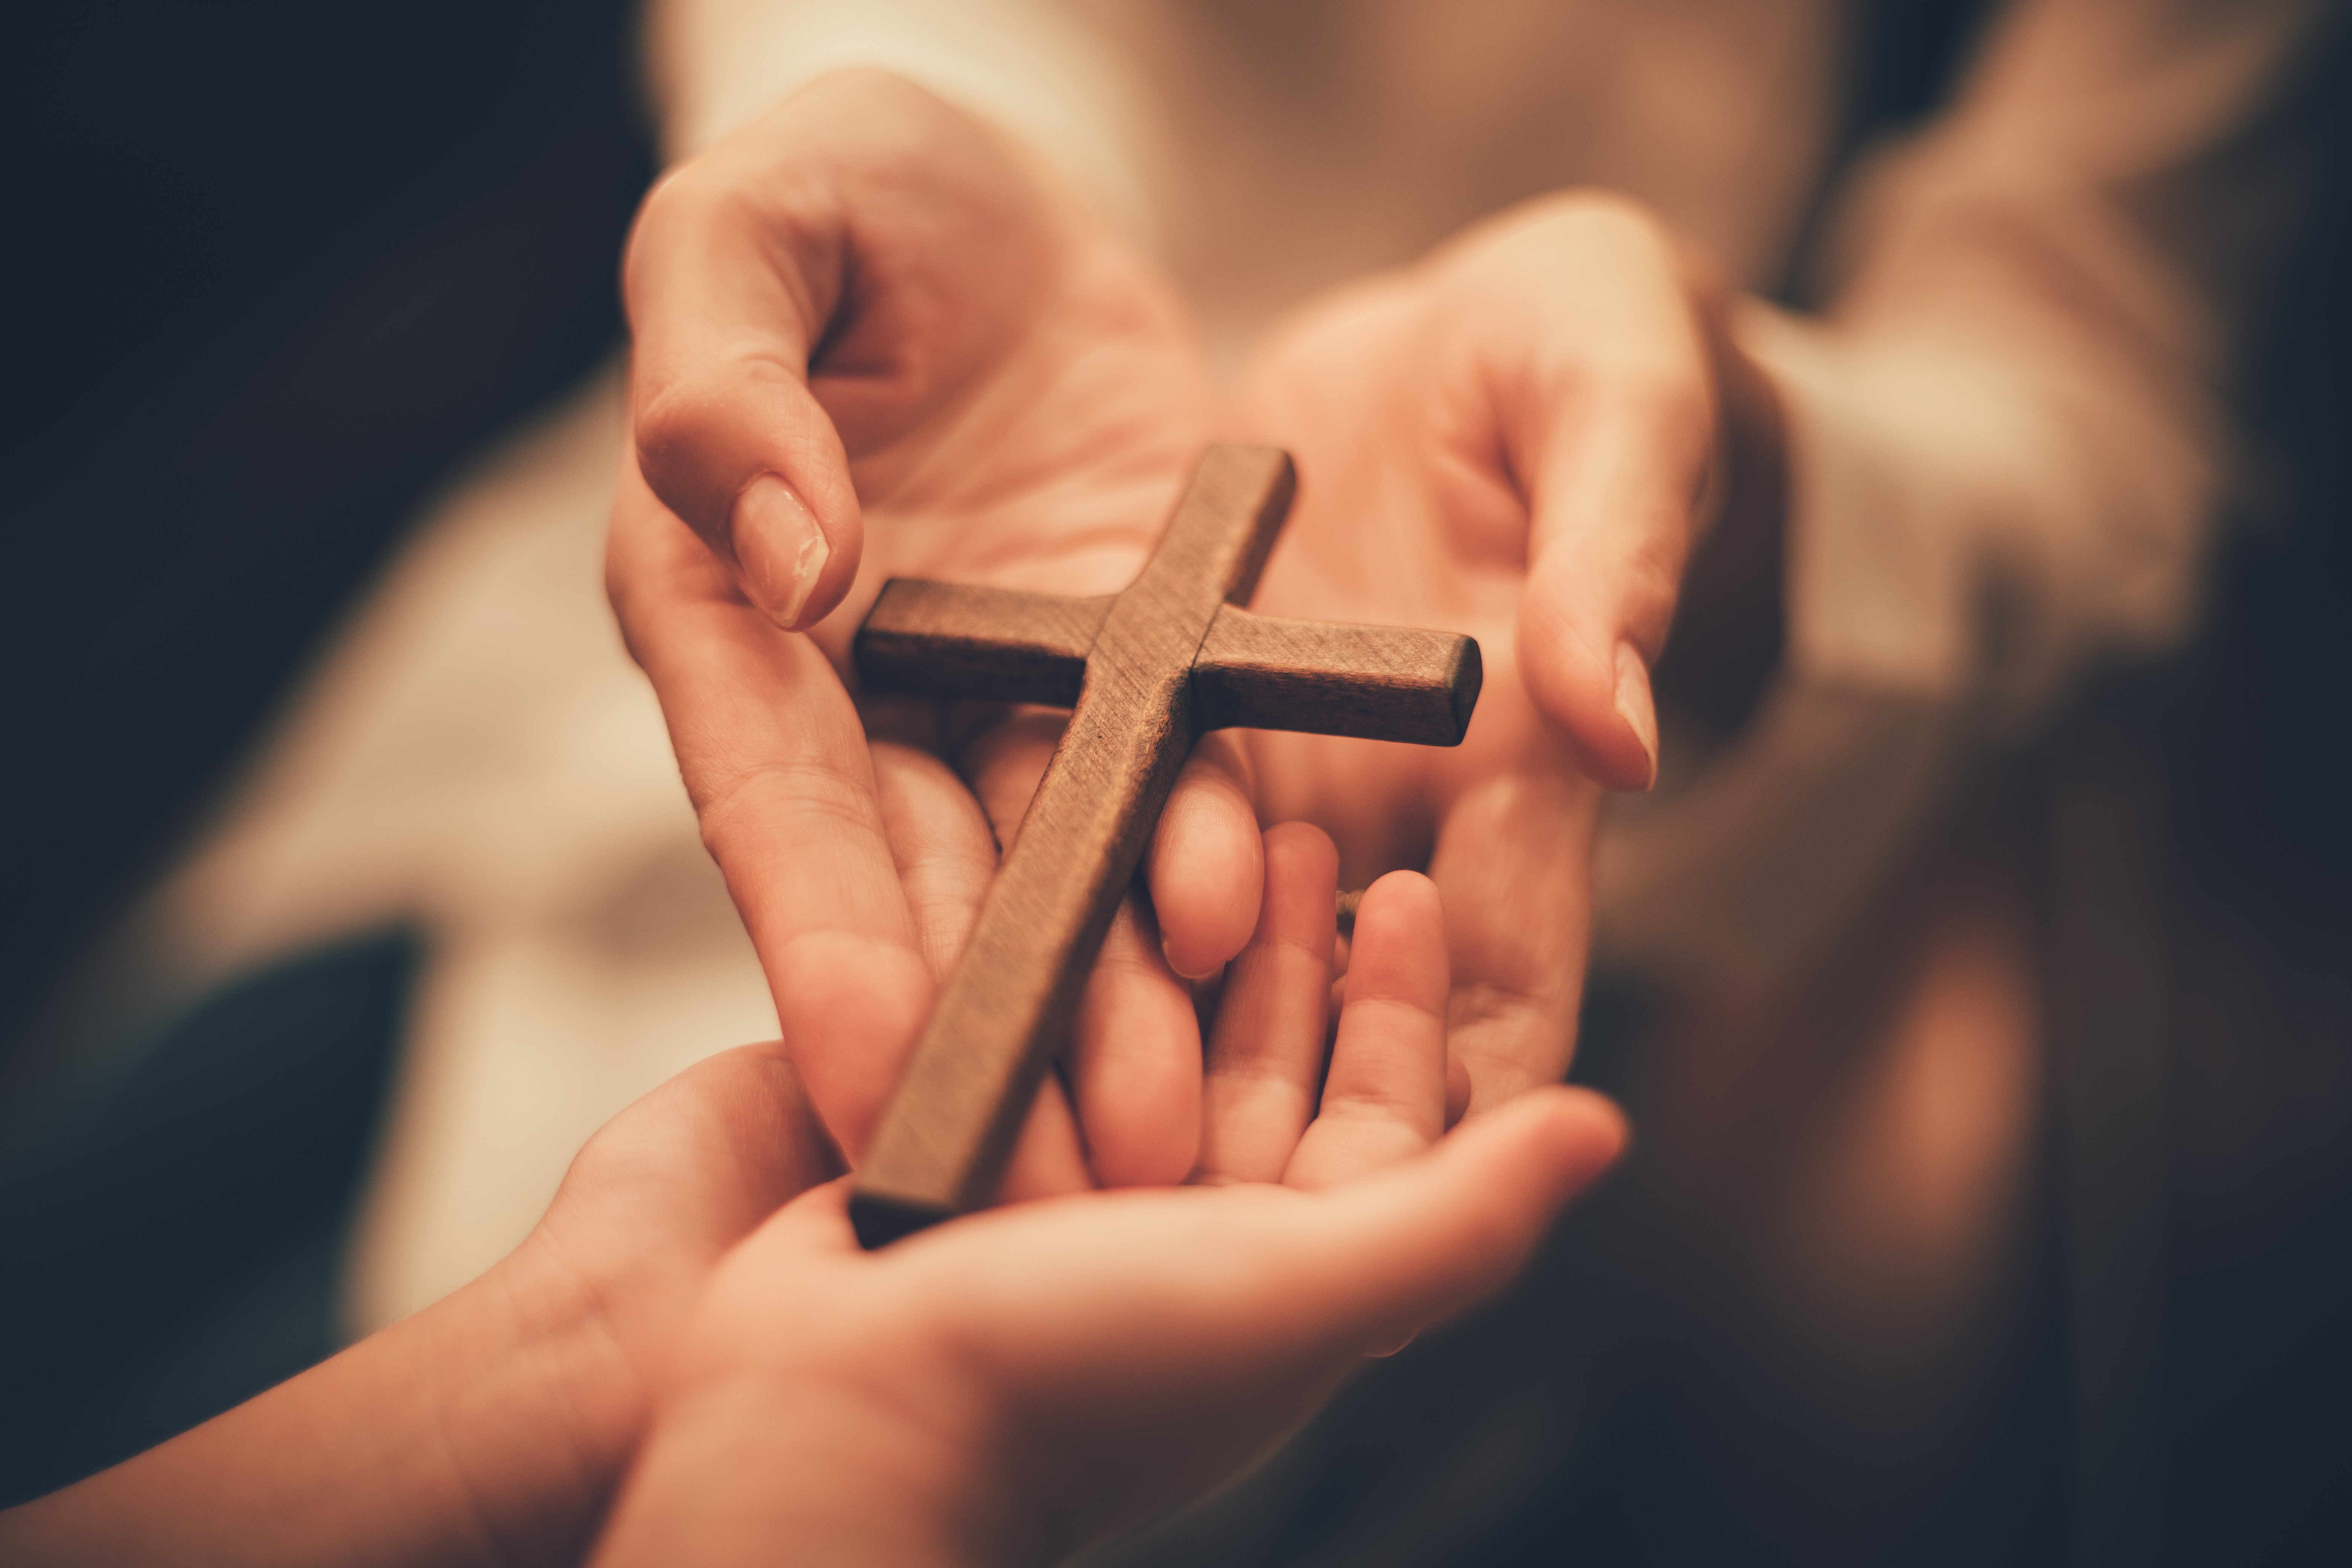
(2007, 446)
(2008, 426)
(1031, 66)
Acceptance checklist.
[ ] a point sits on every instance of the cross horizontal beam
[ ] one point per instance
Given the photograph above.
(1253, 671)
(1145, 672)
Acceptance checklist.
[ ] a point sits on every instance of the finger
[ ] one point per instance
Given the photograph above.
(1206, 863)
(813, 1225)
(862, 216)
(1361, 1263)
(1048, 1158)
(1135, 1059)
(1608, 418)
(940, 843)
(776, 764)
(697, 1164)
(750, 1116)
(946, 855)
(1419, 1241)
(1002, 765)
(1350, 1268)
(1265, 1050)
(727, 297)
(1514, 860)
(1384, 1094)
(1135, 1053)
(1457, 1089)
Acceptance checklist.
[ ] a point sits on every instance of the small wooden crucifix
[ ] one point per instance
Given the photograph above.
(1146, 672)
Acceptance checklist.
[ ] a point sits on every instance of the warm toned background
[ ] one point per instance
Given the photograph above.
(275, 271)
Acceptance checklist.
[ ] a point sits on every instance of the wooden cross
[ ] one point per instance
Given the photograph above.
(1146, 672)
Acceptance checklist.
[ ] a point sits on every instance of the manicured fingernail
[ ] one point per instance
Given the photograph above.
(1634, 706)
(778, 546)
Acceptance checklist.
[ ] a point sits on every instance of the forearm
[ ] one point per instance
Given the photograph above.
(478, 1431)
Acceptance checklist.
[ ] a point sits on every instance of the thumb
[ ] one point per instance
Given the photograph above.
(729, 434)
(862, 231)
(1419, 1241)
(1604, 400)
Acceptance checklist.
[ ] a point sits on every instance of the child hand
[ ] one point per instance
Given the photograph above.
(1011, 1384)
(494, 1425)
(1002, 1387)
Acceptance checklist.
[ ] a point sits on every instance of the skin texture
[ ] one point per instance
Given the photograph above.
(1521, 438)
(1009, 1386)
(872, 301)
(997, 394)
(871, 341)
(493, 1427)
(1000, 1389)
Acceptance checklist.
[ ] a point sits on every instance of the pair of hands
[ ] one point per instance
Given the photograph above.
(693, 1312)
(873, 341)
(868, 309)
(1007, 1387)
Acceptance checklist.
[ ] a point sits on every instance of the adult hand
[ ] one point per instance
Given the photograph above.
(1520, 438)
(1008, 1385)
(871, 340)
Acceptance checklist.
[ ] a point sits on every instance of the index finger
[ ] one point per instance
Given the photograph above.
(806, 292)
(776, 764)
(1577, 310)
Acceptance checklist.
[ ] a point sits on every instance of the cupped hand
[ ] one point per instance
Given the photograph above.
(1011, 1384)
(588, 1309)
(1520, 438)
(871, 339)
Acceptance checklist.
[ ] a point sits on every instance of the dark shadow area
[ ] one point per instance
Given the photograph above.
(2254, 753)
(178, 1249)
(274, 271)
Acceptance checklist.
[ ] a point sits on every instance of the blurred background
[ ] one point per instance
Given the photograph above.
(277, 272)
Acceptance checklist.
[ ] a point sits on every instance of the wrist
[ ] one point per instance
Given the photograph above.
(842, 1468)
(539, 1407)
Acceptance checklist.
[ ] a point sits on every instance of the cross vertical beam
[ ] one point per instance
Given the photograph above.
(951, 1124)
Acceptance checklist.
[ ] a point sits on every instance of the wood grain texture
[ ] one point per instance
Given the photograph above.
(1379, 683)
(1147, 671)
(943, 640)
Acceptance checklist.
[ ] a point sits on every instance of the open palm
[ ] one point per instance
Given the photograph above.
(867, 315)
(1516, 439)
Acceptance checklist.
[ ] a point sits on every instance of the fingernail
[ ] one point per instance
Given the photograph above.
(1168, 955)
(1634, 706)
(779, 548)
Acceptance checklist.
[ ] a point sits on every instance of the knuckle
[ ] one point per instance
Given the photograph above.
(670, 420)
